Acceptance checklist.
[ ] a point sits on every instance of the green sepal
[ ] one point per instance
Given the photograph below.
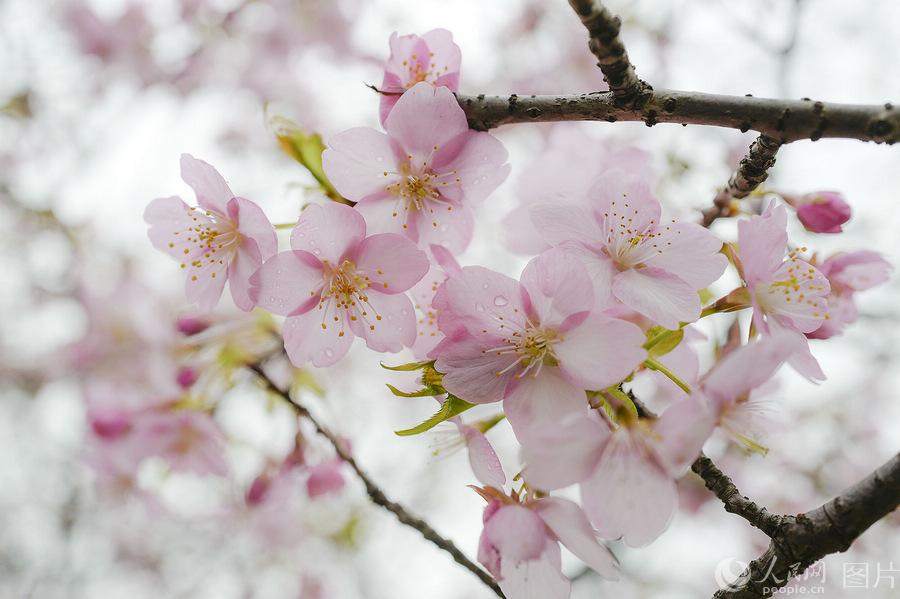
(424, 392)
(661, 341)
(452, 406)
(305, 148)
(409, 367)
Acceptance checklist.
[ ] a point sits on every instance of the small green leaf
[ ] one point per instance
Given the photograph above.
(661, 341)
(452, 406)
(407, 367)
(425, 392)
(305, 148)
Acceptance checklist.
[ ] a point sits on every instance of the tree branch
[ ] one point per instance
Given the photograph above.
(618, 72)
(802, 540)
(782, 120)
(724, 488)
(753, 170)
(376, 494)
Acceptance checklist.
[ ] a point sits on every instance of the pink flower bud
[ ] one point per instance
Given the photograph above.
(111, 425)
(186, 377)
(823, 211)
(191, 325)
(324, 478)
(258, 490)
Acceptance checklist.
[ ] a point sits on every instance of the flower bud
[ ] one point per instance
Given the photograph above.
(191, 325)
(186, 377)
(822, 212)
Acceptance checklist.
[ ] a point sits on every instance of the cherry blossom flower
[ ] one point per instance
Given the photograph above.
(563, 173)
(729, 386)
(423, 177)
(483, 459)
(423, 293)
(822, 211)
(535, 344)
(653, 268)
(626, 471)
(519, 545)
(188, 440)
(848, 273)
(324, 478)
(786, 294)
(337, 284)
(433, 58)
(225, 238)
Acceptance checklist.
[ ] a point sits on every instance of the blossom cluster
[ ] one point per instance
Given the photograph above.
(610, 294)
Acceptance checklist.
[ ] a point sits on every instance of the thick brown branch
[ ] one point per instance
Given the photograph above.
(376, 494)
(753, 170)
(782, 120)
(618, 72)
(802, 540)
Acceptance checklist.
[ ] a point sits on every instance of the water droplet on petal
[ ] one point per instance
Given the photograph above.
(329, 352)
(500, 301)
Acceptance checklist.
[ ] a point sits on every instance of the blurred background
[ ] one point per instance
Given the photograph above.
(99, 98)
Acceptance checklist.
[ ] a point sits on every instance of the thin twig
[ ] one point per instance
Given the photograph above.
(376, 494)
(750, 174)
(783, 120)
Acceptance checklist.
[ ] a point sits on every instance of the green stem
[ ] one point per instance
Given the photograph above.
(285, 225)
(657, 366)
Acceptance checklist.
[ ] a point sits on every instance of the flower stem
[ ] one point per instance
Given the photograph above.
(285, 225)
(657, 366)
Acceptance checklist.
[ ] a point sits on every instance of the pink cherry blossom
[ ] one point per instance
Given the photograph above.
(535, 344)
(424, 176)
(653, 268)
(787, 294)
(337, 284)
(729, 386)
(189, 441)
(626, 471)
(483, 459)
(225, 238)
(848, 273)
(563, 173)
(324, 478)
(822, 212)
(519, 545)
(433, 58)
(423, 294)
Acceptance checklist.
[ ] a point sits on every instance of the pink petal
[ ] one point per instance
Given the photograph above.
(383, 214)
(452, 229)
(203, 285)
(425, 117)
(520, 235)
(253, 225)
(444, 258)
(469, 371)
(683, 428)
(482, 301)
(360, 162)
(539, 578)
(762, 241)
(624, 198)
(517, 533)
(559, 222)
(749, 366)
(288, 283)
(563, 453)
(601, 351)
(324, 479)
(693, 255)
(658, 295)
(170, 219)
(573, 530)
(482, 458)
(858, 270)
(601, 271)
(542, 400)
(445, 56)
(630, 495)
(212, 191)
(306, 341)
(393, 263)
(558, 287)
(245, 263)
(386, 322)
(478, 162)
(328, 231)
